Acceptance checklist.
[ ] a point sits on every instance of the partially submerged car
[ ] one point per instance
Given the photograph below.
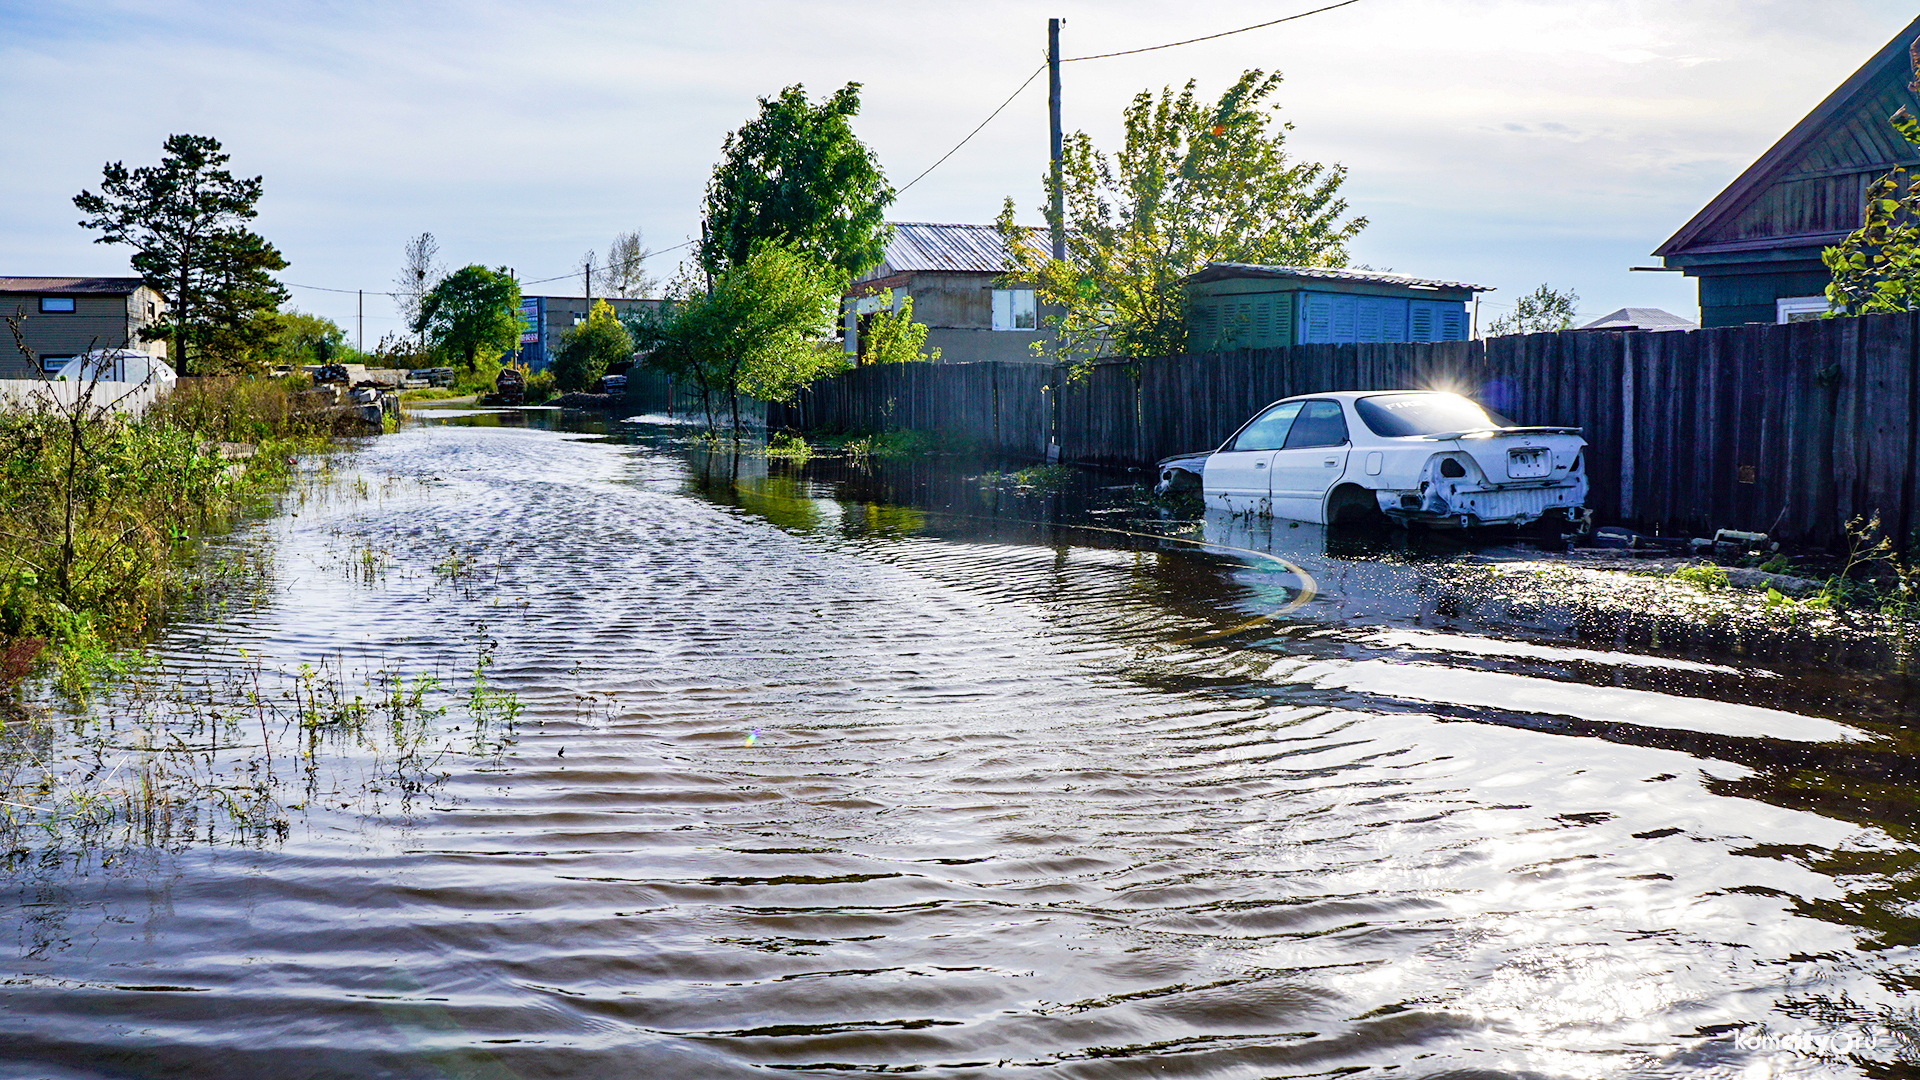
(1407, 456)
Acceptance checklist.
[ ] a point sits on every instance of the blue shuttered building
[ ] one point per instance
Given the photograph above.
(1239, 306)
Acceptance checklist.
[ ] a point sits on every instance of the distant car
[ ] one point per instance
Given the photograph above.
(1408, 456)
(611, 384)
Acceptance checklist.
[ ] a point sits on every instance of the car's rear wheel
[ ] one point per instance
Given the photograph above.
(1351, 506)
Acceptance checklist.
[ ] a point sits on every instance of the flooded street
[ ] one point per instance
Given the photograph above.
(822, 770)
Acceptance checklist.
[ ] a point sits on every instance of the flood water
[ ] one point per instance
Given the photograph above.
(826, 770)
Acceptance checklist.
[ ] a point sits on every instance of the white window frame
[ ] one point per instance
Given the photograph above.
(72, 306)
(875, 301)
(1014, 309)
(51, 364)
(1785, 308)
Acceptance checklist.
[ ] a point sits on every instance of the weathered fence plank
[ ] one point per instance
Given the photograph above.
(1791, 429)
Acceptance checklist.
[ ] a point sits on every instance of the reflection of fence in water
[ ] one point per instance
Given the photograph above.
(651, 393)
(1790, 429)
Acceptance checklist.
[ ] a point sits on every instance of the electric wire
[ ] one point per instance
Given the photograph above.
(976, 131)
(1209, 37)
(1106, 56)
(956, 146)
(531, 281)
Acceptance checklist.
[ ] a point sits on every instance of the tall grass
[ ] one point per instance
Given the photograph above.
(98, 512)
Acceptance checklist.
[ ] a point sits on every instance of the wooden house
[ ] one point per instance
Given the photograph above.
(1240, 306)
(1755, 249)
(62, 317)
(954, 273)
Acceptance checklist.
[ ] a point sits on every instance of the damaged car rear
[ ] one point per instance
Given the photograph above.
(1412, 457)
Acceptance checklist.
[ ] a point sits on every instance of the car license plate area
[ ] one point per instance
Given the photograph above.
(1529, 464)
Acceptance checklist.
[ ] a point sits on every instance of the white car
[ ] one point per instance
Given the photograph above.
(1409, 456)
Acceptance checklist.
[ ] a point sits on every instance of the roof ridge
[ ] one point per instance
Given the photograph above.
(1765, 167)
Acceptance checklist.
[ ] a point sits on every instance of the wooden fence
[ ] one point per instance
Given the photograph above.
(122, 397)
(1003, 407)
(649, 392)
(1791, 429)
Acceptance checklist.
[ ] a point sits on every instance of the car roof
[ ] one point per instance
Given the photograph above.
(1355, 395)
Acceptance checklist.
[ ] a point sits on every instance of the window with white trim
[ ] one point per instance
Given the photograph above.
(1013, 309)
(51, 364)
(63, 304)
(1799, 308)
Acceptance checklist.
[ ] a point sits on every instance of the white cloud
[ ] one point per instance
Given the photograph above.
(1509, 141)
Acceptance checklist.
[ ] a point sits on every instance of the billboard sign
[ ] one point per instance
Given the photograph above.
(529, 320)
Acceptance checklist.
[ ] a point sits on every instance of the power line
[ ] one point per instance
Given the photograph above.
(976, 131)
(1105, 56)
(534, 281)
(349, 292)
(1210, 37)
(609, 266)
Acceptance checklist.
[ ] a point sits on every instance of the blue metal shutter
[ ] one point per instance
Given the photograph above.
(1420, 321)
(1316, 317)
(1453, 322)
(1369, 323)
(1346, 311)
(1204, 334)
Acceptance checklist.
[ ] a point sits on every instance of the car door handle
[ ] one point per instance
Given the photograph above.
(1259, 464)
(1331, 462)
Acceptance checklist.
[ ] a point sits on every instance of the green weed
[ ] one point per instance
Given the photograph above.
(1704, 576)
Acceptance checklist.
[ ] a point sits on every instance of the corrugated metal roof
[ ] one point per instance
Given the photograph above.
(922, 245)
(1217, 271)
(119, 285)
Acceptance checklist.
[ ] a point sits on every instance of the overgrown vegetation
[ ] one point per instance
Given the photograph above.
(472, 315)
(1705, 576)
(234, 752)
(186, 222)
(1877, 267)
(758, 330)
(797, 176)
(888, 336)
(98, 512)
(588, 349)
(1193, 183)
(1045, 479)
(1545, 310)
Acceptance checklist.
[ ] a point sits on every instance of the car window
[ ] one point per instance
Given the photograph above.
(1268, 430)
(1394, 415)
(1321, 423)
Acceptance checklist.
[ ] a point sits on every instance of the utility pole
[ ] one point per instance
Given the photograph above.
(361, 333)
(586, 277)
(1056, 209)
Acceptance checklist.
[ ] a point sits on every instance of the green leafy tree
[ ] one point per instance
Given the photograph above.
(759, 330)
(185, 218)
(587, 349)
(472, 314)
(796, 175)
(1545, 310)
(892, 337)
(1877, 267)
(300, 338)
(1193, 183)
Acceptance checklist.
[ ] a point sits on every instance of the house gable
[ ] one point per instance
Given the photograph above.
(1806, 192)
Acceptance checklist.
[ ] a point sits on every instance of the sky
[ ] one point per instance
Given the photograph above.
(1507, 143)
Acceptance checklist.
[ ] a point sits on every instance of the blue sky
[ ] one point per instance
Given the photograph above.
(1503, 142)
